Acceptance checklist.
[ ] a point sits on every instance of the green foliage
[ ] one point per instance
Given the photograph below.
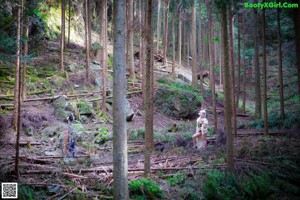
(144, 189)
(256, 187)
(181, 86)
(220, 186)
(25, 192)
(177, 179)
(137, 134)
(102, 135)
(291, 119)
(110, 61)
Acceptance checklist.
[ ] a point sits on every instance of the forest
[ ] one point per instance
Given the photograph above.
(149, 99)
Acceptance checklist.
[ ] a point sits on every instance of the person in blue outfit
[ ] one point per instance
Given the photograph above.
(69, 140)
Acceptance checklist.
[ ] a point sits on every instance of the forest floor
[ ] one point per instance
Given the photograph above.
(176, 165)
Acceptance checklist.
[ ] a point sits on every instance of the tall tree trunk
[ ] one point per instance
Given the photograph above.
(120, 161)
(212, 63)
(173, 45)
(89, 21)
(87, 42)
(232, 68)
(244, 67)
(280, 75)
(158, 27)
(188, 34)
(104, 52)
(179, 38)
(194, 48)
(142, 48)
(166, 9)
(141, 36)
(256, 67)
(69, 22)
(220, 60)
(17, 92)
(239, 65)
(62, 39)
(297, 42)
(200, 51)
(183, 42)
(23, 82)
(227, 92)
(265, 72)
(149, 140)
(130, 42)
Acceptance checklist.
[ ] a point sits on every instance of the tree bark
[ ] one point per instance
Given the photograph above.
(173, 45)
(120, 161)
(200, 51)
(166, 9)
(239, 65)
(158, 27)
(212, 63)
(232, 68)
(244, 67)
(69, 22)
(265, 72)
(227, 92)
(280, 75)
(62, 39)
(104, 52)
(23, 86)
(256, 67)
(179, 38)
(149, 140)
(194, 48)
(297, 42)
(130, 42)
(17, 100)
(87, 42)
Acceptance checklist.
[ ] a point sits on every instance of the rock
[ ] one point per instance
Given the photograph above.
(176, 102)
(59, 105)
(54, 130)
(84, 119)
(50, 153)
(72, 67)
(28, 131)
(129, 111)
(54, 189)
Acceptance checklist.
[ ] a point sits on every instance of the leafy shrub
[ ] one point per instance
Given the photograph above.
(291, 119)
(177, 179)
(102, 135)
(144, 189)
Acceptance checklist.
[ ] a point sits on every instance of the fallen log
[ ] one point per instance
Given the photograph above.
(25, 143)
(109, 97)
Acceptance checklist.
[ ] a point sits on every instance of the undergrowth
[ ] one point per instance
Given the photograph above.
(291, 119)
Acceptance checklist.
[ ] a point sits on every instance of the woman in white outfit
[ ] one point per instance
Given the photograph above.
(201, 131)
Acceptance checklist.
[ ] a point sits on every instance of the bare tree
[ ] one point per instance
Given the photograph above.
(212, 63)
(239, 64)
(200, 51)
(194, 48)
(244, 66)
(62, 39)
(17, 93)
(149, 140)
(104, 51)
(256, 67)
(158, 26)
(227, 92)
(232, 68)
(166, 9)
(130, 41)
(179, 36)
(173, 45)
(87, 42)
(69, 21)
(23, 81)
(280, 66)
(265, 72)
(120, 160)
